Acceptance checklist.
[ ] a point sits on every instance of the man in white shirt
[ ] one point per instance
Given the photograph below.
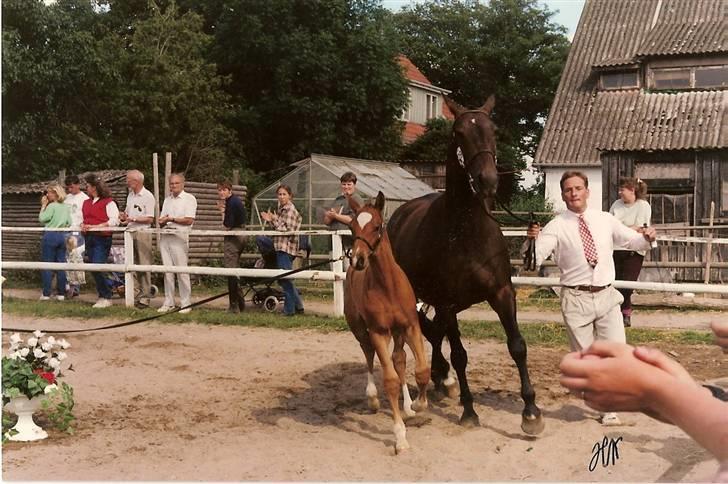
(75, 198)
(582, 242)
(139, 214)
(178, 213)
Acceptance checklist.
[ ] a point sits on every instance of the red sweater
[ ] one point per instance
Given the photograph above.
(95, 214)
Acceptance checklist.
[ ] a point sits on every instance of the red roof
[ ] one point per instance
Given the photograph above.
(412, 131)
(411, 71)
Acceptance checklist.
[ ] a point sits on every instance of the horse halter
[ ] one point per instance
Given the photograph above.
(372, 248)
(463, 164)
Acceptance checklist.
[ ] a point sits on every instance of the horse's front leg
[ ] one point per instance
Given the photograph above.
(422, 370)
(380, 341)
(371, 391)
(399, 357)
(503, 302)
(459, 358)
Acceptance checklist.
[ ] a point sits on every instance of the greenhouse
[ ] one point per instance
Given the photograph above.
(315, 185)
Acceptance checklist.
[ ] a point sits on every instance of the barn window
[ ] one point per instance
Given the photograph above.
(671, 78)
(711, 76)
(619, 80)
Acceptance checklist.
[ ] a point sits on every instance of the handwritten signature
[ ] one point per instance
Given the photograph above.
(606, 451)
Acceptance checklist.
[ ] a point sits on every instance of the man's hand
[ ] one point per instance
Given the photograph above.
(533, 231)
(649, 233)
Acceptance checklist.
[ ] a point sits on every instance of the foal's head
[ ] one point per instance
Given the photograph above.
(367, 226)
(473, 147)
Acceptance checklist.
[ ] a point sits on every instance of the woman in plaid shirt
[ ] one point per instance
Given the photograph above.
(285, 219)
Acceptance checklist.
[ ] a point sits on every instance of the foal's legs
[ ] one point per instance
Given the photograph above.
(399, 357)
(380, 341)
(422, 371)
(371, 391)
(503, 302)
(459, 358)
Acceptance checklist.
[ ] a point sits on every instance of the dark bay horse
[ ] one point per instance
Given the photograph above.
(455, 255)
(379, 304)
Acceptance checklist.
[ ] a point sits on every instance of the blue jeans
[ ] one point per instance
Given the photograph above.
(97, 250)
(284, 261)
(53, 249)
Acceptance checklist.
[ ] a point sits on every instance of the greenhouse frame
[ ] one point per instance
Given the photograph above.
(315, 184)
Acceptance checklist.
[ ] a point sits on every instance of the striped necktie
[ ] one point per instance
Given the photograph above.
(590, 250)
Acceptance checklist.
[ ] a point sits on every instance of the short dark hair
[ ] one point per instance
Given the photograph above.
(72, 180)
(572, 174)
(225, 184)
(348, 177)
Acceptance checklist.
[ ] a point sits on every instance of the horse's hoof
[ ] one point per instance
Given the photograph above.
(532, 424)
(470, 421)
(409, 411)
(451, 386)
(401, 447)
(373, 404)
(419, 406)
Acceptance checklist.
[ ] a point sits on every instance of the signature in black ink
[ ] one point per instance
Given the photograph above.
(606, 451)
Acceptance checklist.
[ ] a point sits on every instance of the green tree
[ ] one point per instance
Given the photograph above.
(506, 47)
(84, 89)
(310, 76)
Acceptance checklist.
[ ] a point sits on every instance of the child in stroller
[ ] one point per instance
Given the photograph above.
(267, 296)
(116, 279)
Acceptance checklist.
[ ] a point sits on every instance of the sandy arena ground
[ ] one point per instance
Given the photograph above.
(193, 402)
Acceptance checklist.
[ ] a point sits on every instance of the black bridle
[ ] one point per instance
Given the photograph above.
(372, 248)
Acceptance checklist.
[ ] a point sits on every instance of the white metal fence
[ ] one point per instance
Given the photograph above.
(334, 274)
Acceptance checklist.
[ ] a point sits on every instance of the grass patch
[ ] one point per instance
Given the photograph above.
(537, 334)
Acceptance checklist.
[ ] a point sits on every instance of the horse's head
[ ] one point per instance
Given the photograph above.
(472, 150)
(367, 227)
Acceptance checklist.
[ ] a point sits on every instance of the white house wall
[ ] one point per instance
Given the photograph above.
(418, 105)
(553, 188)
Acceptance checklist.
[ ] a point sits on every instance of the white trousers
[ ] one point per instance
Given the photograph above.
(173, 248)
(591, 316)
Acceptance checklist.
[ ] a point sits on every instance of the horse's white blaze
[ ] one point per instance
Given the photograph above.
(407, 403)
(364, 218)
(472, 120)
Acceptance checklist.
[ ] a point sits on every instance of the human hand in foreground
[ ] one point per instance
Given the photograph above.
(533, 231)
(720, 329)
(617, 377)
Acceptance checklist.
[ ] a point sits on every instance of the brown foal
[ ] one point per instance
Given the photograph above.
(379, 304)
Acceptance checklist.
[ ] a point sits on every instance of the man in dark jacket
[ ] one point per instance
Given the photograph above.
(234, 217)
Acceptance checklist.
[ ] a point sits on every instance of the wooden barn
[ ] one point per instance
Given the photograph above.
(643, 94)
(21, 204)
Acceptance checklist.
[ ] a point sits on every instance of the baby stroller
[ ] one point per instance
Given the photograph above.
(267, 297)
(117, 281)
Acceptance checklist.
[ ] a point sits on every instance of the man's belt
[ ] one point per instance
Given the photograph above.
(589, 288)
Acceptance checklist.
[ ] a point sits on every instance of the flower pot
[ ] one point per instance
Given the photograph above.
(26, 427)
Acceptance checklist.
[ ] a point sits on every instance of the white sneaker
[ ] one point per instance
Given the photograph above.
(61, 298)
(185, 310)
(610, 420)
(165, 309)
(44, 298)
(103, 303)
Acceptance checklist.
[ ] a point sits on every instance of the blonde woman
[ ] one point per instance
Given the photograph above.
(54, 214)
(635, 212)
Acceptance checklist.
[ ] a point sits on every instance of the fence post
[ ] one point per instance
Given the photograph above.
(128, 276)
(337, 266)
(709, 245)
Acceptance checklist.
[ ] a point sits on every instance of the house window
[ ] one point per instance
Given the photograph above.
(619, 80)
(711, 76)
(671, 78)
(431, 100)
(695, 77)
(407, 113)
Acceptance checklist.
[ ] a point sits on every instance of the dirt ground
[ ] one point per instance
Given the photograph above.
(193, 402)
